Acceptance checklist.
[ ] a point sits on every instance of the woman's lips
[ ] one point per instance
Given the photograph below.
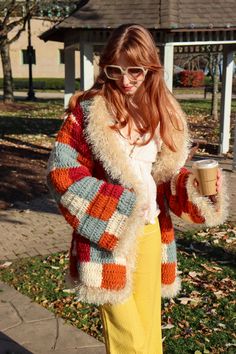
(127, 88)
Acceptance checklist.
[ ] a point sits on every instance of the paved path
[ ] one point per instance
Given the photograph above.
(57, 95)
(28, 328)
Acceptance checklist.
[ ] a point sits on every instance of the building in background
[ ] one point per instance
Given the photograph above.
(48, 56)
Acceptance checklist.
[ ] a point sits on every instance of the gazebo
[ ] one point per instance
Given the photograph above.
(182, 26)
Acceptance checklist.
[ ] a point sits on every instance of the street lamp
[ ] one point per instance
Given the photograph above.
(30, 53)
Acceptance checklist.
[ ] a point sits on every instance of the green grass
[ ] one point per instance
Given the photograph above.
(206, 323)
(201, 106)
(32, 122)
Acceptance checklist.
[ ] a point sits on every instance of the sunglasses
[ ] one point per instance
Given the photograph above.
(116, 72)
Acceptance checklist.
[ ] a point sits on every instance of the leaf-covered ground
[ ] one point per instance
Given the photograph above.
(202, 318)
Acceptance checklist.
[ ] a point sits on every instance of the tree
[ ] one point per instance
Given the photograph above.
(214, 63)
(14, 15)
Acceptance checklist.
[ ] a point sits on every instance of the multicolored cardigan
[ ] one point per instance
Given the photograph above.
(96, 190)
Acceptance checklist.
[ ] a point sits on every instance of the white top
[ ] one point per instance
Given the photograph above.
(142, 158)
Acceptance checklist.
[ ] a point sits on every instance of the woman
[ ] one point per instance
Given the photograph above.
(116, 170)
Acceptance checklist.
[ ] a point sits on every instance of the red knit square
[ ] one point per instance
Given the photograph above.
(174, 205)
(113, 276)
(111, 190)
(83, 249)
(167, 231)
(195, 213)
(77, 173)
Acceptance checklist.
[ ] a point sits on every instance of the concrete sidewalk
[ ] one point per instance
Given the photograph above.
(26, 327)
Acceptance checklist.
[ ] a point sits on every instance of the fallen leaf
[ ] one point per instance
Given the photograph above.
(168, 326)
(193, 274)
(5, 265)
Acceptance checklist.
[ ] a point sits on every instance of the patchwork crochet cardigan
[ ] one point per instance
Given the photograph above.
(97, 192)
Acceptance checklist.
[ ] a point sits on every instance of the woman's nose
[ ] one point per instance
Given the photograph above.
(125, 79)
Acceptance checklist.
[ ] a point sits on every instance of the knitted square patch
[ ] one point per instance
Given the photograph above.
(113, 276)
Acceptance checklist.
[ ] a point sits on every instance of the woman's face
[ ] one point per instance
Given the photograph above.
(126, 84)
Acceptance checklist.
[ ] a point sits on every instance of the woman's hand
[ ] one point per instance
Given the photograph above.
(212, 198)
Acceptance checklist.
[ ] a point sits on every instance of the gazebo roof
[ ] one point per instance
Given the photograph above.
(153, 14)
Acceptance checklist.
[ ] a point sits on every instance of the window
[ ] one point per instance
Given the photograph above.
(61, 56)
(25, 58)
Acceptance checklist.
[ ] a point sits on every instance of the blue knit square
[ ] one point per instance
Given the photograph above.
(99, 255)
(126, 202)
(91, 228)
(171, 252)
(86, 188)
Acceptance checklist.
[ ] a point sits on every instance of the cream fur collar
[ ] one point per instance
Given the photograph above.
(106, 148)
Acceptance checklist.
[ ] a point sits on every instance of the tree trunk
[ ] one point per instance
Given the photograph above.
(214, 103)
(7, 73)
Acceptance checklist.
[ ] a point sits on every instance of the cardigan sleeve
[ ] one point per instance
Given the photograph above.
(95, 209)
(184, 200)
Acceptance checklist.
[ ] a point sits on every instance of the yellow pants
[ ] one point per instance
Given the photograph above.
(134, 327)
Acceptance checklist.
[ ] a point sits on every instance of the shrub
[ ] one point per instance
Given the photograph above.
(189, 78)
(40, 84)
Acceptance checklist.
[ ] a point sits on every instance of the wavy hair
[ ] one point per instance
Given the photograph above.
(153, 101)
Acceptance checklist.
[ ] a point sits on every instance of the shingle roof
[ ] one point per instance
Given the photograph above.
(106, 13)
(160, 14)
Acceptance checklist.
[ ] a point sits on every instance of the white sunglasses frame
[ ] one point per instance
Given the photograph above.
(124, 71)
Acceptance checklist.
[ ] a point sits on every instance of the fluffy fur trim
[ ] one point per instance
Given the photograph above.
(214, 214)
(168, 162)
(172, 290)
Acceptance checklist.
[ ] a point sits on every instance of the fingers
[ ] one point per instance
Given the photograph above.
(195, 183)
(213, 198)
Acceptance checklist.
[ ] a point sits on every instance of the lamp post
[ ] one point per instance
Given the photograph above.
(30, 52)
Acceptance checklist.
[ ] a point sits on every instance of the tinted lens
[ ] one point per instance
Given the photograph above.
(136, 73)
(113, 72)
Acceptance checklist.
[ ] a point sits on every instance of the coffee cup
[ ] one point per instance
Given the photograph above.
(205, 172)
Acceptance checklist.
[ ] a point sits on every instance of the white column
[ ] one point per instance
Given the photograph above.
(86, 66)
(226, 97)
(234, 160)
(69, 74)
(168, 65)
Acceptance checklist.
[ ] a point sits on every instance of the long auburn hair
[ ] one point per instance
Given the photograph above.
(154, 102)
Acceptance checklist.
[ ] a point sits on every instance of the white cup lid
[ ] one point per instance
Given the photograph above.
(205, 164)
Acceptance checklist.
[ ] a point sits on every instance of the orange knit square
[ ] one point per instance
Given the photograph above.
(168, 273)
(60, 179)
(113, 276)
(64, 138)
(167, 236)
(102, 207)
(108, 241)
